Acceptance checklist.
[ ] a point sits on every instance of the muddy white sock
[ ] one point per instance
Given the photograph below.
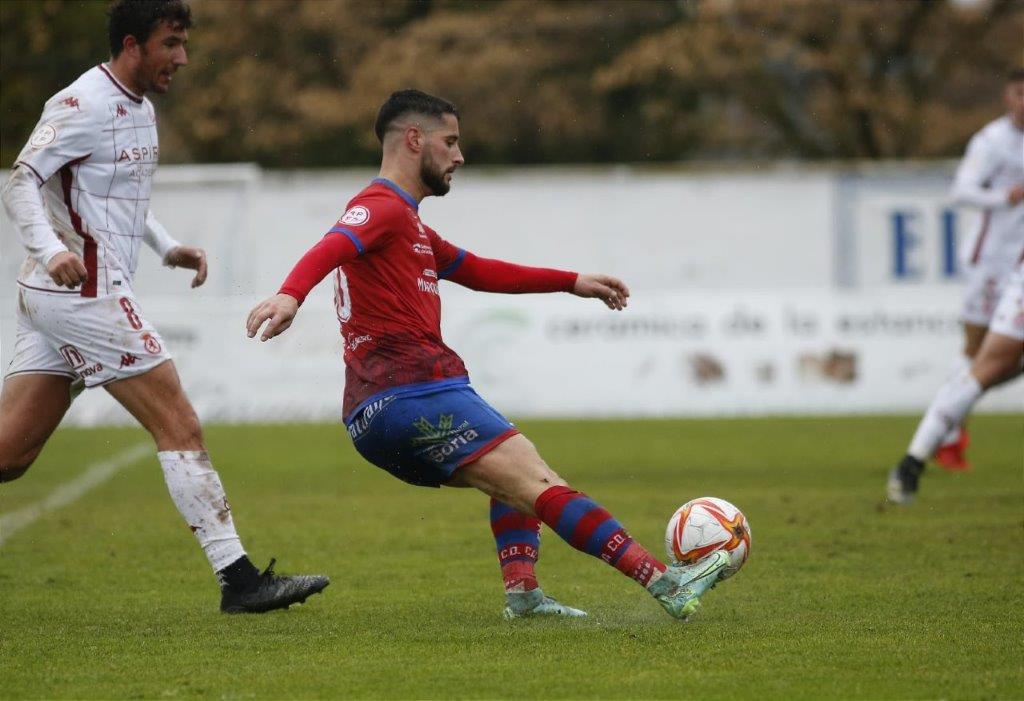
(959, 365)
(951, 405)
(197, 492)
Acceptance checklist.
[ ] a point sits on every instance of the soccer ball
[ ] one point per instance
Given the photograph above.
(702, 526)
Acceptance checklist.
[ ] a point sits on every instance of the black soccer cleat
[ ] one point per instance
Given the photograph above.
(903, 480)
(272, 591)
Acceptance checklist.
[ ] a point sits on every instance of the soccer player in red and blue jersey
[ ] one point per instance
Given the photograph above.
(408, 405)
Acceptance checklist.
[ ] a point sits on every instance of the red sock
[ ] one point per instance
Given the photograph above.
(637, 563)
(584, 525)
(517, 537)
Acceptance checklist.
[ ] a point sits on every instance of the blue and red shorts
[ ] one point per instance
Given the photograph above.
(423, 433)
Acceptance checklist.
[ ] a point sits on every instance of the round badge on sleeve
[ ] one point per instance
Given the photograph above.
(356, 216)
(42, 136)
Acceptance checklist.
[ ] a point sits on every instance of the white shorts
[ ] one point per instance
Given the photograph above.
(981, 296)
(1008, 319)
(93, 339)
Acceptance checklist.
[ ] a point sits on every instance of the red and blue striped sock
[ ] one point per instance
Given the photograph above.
(582, 523)
(518, 539)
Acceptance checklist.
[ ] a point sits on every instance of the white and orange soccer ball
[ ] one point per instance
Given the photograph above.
(702, 526)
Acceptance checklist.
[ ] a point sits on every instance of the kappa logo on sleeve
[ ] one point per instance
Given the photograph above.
(43, 135)
(356, 216)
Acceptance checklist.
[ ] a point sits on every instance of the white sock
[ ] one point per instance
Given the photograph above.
(197, 492)
(961, 363)
(950, 407)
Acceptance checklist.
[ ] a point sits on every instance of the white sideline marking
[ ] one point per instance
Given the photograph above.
(95, 475)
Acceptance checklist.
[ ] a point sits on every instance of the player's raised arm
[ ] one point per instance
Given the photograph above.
(490, 275)
(333, 249)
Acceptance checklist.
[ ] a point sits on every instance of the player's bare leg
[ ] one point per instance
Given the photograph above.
(514, 473)
(998, 360)
(974, 335)
(31, 407)
(157, 400)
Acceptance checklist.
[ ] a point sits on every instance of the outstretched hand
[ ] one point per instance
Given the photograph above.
(191, 258)
(610, 290)
(280, 310)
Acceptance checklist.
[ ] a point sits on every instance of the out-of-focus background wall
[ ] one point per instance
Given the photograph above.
(770, 178)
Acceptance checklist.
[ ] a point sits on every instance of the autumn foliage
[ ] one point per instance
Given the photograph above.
(296, 84)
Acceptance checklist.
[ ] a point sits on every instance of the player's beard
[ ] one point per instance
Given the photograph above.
(148, 77)
(433, 177)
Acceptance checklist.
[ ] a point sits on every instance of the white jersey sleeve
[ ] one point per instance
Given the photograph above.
(971, 186)
(157, 238)
(24, 204)
(68, 131)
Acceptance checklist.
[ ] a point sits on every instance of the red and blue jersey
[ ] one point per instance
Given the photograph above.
(387, 298)
(386, 265)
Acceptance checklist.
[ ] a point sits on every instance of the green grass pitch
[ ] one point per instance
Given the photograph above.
(109, 597)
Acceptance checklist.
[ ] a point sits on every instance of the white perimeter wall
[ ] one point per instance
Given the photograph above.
(778, 290)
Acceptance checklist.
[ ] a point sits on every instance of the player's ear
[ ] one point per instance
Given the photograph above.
(414, 138)
(130, 45)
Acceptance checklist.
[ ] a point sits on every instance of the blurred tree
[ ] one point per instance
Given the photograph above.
(810, 79)
(266, 79)
(42, 49)
(519, 71)
(296, 83)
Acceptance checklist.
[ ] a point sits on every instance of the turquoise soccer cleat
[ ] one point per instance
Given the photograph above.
(530, 604)
(680, 588)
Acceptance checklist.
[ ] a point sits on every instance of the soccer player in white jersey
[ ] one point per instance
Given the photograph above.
(79, 199)
(990, 178)
(998, 360)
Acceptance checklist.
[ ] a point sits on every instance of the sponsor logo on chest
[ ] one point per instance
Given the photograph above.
(138, 153)
(356, 341)
(427, 286)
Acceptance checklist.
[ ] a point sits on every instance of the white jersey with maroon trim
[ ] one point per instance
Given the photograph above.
(94, 152)
(992, 165)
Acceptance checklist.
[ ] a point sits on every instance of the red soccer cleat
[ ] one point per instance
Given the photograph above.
(953, 456)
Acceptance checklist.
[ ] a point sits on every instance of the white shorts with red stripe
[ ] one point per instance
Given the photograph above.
(1008, 319)
(93, 339)
(984, 286)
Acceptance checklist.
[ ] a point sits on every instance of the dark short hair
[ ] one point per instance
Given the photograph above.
(410, 101)
(138, 18)
(1015, 76)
